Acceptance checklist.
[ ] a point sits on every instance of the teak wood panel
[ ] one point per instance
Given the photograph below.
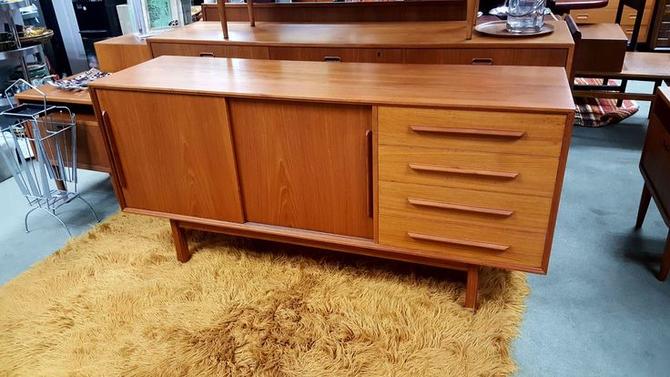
(172, 156)
(462, 241)
(305, 165)
(508, 173)
(479, 208)
(363, 55)
(121, 52)
(209, 50)
(535, 89)
(505, 132)
(556, 57)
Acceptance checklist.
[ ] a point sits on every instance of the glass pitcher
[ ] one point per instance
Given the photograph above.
(525, 16)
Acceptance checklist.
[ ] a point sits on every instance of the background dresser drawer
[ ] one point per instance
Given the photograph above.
(516, 174)
(219, 51)
(508, 56)
(463, 242)
(361, 55)
(479, 208)
(507, 132)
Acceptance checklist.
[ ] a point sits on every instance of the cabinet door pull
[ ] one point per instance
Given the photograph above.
(207, 54)
(447, 170)
(370, 163)
(332, 58)
(453, 241)
(117, 169)
(459, 207)
(482, 61)
(468, 131)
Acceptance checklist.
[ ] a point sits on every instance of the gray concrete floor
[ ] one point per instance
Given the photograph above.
(599, 312)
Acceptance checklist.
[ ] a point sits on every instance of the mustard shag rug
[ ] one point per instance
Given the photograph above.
(115, 302)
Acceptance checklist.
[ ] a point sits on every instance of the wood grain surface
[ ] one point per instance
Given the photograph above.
(304, 165)
(170, 159)
(534, 88)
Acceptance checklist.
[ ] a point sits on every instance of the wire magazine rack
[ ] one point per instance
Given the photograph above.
(43, 154)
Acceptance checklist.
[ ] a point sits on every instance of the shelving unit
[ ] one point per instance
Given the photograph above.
(8, 9)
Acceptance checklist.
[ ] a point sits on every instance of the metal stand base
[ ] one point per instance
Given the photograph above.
(52, 213)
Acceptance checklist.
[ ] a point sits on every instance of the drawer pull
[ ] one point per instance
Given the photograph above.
(207, 54)
(332, 58)
(482, 61)
(468, 131)
(442, 169)
(483, 245)
(459, 207)
(582, 17)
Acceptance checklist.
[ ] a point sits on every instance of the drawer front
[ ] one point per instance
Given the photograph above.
(505, 132)
(362, 55)
(479, 208)
(506, 173)
(463, 242)
(491, 56)
(656, 156)
(594, 16)
(205, 50)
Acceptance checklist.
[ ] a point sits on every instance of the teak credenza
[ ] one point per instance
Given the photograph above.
(413, 163)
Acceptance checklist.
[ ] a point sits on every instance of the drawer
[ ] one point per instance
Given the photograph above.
(478, 208)
(642, 37)
(493, 56)
(364, 55)
(629, 15)
(656, 156)
(506, 173)
(463, 242)
(209, 50)
(594, 16)
(505, 132)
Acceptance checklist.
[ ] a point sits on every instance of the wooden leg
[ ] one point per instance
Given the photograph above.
(180, 244)
(622, 89)
(665, 261)
(644, 206)
(472, 286)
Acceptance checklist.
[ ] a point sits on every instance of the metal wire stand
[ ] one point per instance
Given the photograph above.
(49, 134)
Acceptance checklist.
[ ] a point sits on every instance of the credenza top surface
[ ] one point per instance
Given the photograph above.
(437, 34)
(463, 86)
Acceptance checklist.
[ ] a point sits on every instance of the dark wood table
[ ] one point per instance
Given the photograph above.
(655, 168)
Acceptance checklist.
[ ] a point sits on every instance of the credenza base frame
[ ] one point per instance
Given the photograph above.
(328, 242)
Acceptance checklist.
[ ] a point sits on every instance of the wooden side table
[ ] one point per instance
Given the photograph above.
(655, 168)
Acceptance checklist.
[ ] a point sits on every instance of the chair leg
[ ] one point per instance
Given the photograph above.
(644, 206)
(665, 261)
(622, 89)
(180, 243)
(472, 286)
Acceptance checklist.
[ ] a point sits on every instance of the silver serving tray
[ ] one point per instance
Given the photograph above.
(499, 29)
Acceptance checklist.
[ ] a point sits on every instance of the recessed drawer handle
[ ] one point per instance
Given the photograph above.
(442, 169)
(332, 58)
(459, 207)
(207, 54)
(468, 131)
(453, 241)
(582, 17)
(486, 61)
